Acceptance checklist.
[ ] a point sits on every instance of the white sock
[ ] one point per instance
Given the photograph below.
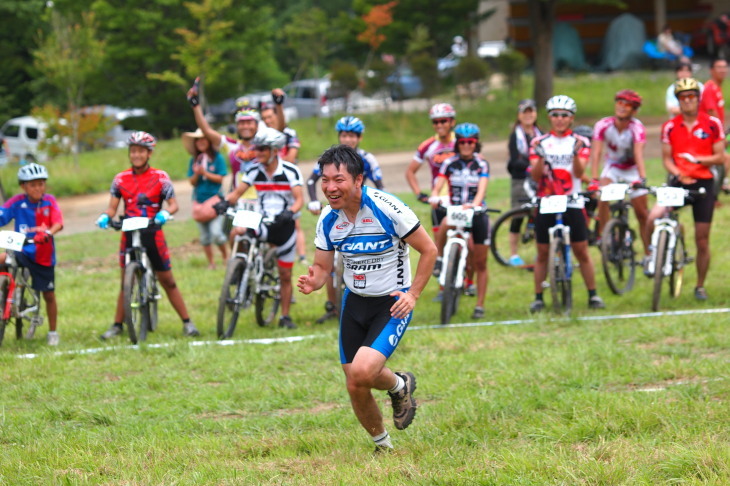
(399, 384)
(52, 333)
(383, 440)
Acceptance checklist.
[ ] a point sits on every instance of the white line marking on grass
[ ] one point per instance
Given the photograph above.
(292, 339)
(677, 383)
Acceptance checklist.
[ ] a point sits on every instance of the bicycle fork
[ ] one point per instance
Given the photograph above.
(669, 227)
(565, 232)
(450, 244)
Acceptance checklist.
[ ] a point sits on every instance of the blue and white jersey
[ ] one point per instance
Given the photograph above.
(374, 254)
(371, 167)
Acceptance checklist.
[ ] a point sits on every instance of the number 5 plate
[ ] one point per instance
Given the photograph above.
(613, 192)
(458, 216)
(12, 240)
(247, 219)
(553, 204)
(670, 196)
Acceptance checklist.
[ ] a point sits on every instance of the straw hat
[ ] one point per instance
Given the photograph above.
(188, 140)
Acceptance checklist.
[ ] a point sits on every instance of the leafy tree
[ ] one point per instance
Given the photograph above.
(307, 35)
(512, 64)
(345, 79)
(68, 56)
(469, 71)
(376, 19)
(422, 62)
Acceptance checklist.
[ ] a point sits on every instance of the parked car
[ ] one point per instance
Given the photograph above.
(223, 112)
(23, 135)
(313, 97)
(127, 120)
(404, 84)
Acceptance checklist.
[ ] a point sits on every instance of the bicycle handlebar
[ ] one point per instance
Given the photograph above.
(116, 224)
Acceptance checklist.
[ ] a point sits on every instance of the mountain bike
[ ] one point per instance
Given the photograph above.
(252, 276)
(453, 263)
(617, 242)
(516, 226)
(669, 256)
(19, 301)
(139, 285)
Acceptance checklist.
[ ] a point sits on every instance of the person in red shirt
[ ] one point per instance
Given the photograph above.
(691, 143)
(712, 101)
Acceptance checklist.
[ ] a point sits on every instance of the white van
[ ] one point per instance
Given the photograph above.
(22, 135)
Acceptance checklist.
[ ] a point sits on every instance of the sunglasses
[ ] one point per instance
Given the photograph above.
(560, 114)
(441, 121)
(467, 141)
(686, 97)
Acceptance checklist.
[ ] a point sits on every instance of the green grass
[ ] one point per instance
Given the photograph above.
(386, 131)
(544, 402)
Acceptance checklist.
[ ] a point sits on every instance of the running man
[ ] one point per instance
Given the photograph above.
(373, 230)
(691, 143)
(624, 138)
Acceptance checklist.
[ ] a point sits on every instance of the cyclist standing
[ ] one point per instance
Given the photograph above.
(144, 189)
(278, 186)
(467, 174)
(624, 138)
(558, 161)
(373, 230)
(349, 132)
(691, 143)
(38, 216)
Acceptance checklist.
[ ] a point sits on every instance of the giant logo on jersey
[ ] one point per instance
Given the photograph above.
(365, 244)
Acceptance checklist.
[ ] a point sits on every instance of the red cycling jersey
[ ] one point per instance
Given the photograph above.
(697, 140)
(142, 193)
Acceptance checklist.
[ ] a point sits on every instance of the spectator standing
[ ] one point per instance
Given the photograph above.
(682, 71)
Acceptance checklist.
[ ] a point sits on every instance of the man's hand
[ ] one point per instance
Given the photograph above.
(404, 306)
(42, 237)
(640, 183)
(284, 217)
(192, 95)
(221, 206)
(314, 207)
(593, 185)
(162, 217)
(422, 197)
(539, 150)
(306, 282)
(434, 201)
(578, 146)
(689, 158)
(103, 221)
(278, 95)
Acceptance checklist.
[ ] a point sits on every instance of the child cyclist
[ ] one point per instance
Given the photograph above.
(143, 189)
(37, 214)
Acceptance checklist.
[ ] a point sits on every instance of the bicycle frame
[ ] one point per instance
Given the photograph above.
(560, 229)
(455, 237)
(668, 224)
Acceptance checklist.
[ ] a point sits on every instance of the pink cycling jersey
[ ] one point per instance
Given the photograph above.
(435, 152)
(619, 145)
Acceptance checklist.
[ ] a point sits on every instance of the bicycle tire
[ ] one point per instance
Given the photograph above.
(560, 285)
(618, 256)
(4, 284)
(661, 249)
(27, 297)
(450, 295)
(228, 308)
(152, 300)
(136, 311)
(526, 248)
(718, 176)
(679, 259)
(268, 296)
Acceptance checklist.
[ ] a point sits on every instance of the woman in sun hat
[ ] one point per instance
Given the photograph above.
(205, 172)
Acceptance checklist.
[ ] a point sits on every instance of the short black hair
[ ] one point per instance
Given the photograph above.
(342, 154)
(716, 60)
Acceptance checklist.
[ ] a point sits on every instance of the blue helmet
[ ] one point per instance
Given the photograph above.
(466, 130)
(350, 124)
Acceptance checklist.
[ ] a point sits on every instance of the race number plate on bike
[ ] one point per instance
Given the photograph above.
(614, 192)
(247, 219)
(131, 224)
(553, 204)
(12, 240)
(458, 216)
(670, 196)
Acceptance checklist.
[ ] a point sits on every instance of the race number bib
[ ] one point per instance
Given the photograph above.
(670, 196)
(614, 192)
(247, 219)
(553, 204)
(458, 216)
(12, 240)
(131, 224)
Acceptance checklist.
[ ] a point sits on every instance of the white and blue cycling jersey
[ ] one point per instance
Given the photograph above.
(373, 249)
(370, 165)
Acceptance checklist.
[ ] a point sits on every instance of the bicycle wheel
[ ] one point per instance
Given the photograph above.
(230, 302)
(516, 224)
(451, 294)
(661, 250)
(679, 259)
(268, 296)
(136, 310)
(618, 256)
(153, 296)
(560, 285)
(4, 284)
(28, 306)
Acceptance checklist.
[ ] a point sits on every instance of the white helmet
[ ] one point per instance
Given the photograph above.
(561, 102)
(442, 110)
(32, 172)
(269, 137)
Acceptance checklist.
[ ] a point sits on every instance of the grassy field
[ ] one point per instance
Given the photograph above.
(386, 131)
(544, 401)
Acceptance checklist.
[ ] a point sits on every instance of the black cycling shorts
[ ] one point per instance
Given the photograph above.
(573, 217)
(366, 321)
(702, 207)
(480, 229)
(437, 215)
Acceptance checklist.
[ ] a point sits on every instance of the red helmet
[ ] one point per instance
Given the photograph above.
(143, 139)
(629, 96)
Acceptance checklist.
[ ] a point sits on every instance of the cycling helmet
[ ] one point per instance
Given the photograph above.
(561, 102)
(248, 114)
(584, 131)
(143, 139)
(269, 137)
(32, 172)
(686, 84)
(466, 130)
(350, 124)
(442, 110)
(629, 96)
